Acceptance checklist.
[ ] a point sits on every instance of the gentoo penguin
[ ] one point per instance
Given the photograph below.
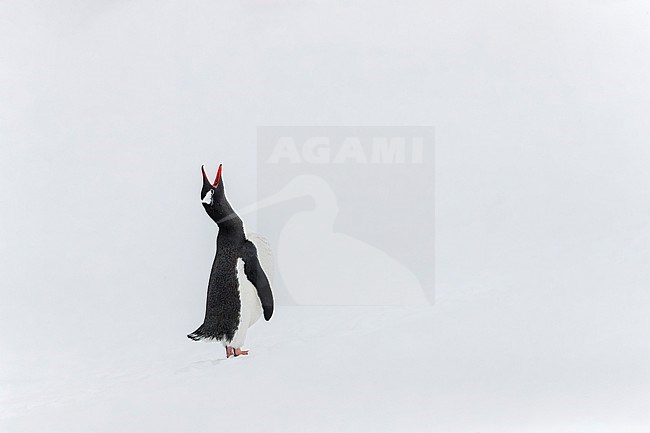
(238, 289)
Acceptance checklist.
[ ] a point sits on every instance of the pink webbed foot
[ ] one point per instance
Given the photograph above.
(240, 352)
(229, 352)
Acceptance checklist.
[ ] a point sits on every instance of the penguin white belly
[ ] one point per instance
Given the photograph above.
(251, 307)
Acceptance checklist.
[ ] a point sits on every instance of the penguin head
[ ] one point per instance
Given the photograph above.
(213, 197)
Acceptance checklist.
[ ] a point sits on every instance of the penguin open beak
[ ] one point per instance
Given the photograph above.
(216, 180)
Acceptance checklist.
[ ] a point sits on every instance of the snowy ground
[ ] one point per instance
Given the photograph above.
(482, 366)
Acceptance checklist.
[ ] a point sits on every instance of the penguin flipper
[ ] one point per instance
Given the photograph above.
(255, 274)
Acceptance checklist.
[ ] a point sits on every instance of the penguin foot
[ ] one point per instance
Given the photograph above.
(240, 352)
(231, 351)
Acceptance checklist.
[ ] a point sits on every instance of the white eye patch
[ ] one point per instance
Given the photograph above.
(207, 199)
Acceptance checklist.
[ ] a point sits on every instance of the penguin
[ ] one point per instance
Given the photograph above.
(239, 292)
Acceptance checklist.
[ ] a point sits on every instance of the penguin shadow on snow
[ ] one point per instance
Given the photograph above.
(208, 364)
(200, 365)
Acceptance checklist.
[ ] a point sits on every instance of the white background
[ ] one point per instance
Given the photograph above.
(107, 110)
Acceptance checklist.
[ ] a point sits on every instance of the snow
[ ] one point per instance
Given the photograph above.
(348, 369)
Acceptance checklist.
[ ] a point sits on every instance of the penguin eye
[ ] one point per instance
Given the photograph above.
(208, 197)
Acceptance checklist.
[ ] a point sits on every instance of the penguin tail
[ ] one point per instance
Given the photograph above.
(197, 335)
